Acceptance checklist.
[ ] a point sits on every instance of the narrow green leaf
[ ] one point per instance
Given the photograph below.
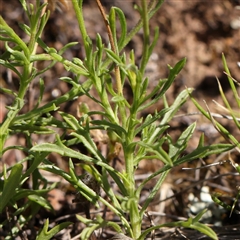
(108, 189)
(172, 75)
(116, 128)
(234, 90)
(100, 48)
(27, 128)
(19, 56)
(199, 216)
(25, 28)
(44, 234)
(23, 2)
(70, 120)
(153, 95)
(204, 151)
(41, 201)
(153, 192)
(10, 66)
(113, 56)
(176, 149)
(67, 46)
(112, 24)
(89, 144)
(155, 39)
(8, 91)
(179, 101)
(151, 120)
(201, 140)
(10, 186)
(62, 150)
(22, 193)
(203, 228)
(123, 25)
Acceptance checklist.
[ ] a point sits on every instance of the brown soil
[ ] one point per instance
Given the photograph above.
(198, 30)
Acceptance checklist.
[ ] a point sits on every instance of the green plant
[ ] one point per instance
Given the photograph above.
(232, 115)
(120, 120)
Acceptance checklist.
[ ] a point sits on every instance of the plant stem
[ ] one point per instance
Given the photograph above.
(133, 200)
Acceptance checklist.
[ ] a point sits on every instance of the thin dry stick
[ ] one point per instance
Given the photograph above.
(146, 214)
(117, 71)
(216, 115)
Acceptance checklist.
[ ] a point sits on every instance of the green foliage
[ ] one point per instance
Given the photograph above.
(10, 185)
(119, 119)
(192, 223)
(45, 234)
(232, 115)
